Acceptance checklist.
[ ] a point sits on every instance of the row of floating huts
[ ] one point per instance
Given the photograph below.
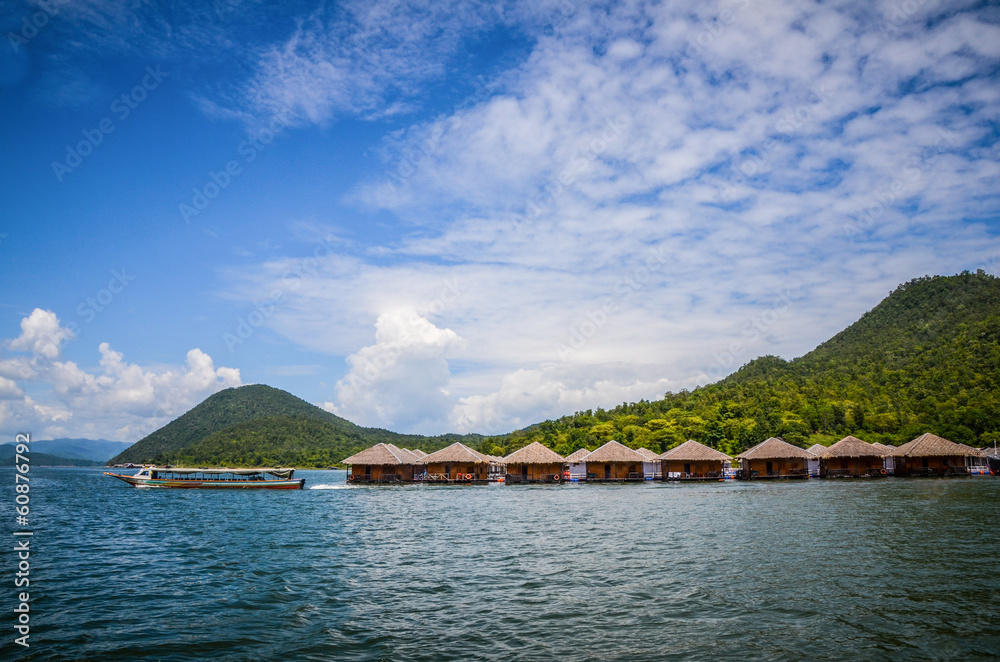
(927, 455)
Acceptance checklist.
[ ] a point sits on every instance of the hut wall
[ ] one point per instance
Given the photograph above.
(535, 472)
(456, 470)
(851, 466)
(916, 466)
(790, 466)
(375, 473)
(674, 469)
(614, 470)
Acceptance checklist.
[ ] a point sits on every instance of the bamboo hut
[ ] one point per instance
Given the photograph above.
(851, 457)
(614, 462)
(774, 458)
(382, 463)
(694, 461)
(459, 463)
(534, 463)
(888, 457)
(931, 455)
(651, 469)
(813, 464)
(576, 464)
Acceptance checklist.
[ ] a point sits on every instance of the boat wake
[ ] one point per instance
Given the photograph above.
(333, 486)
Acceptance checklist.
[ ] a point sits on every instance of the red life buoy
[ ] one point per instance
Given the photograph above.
(468, 476)
(556, 477)
(351, 477)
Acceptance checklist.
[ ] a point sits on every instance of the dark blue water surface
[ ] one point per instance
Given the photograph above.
(851, 569)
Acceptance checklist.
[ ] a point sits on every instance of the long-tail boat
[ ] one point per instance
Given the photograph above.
(265, 478)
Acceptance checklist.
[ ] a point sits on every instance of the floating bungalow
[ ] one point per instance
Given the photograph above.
(382, 463)
(694, 461)
(576, 464)
(534, 463)
(651, 469)
(931, 455)
(852, 457)
(813, 464)
(614, 462)
(459, 464)
(774, 458)
(888, 457)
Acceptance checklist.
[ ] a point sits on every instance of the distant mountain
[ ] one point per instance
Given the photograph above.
(927, 358)
(259, 425)
(98, 450)
(36, 459)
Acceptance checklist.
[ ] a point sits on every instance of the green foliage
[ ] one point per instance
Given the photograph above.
(259, 425)
(927, 358)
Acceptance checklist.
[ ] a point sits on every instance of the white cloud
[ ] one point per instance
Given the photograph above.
(42, 334)
(402, 379)
(793, 149)
(121, 400)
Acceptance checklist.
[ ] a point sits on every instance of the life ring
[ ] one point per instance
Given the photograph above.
(468, 476)
(882, 471)
(351, 477)
(556, 477)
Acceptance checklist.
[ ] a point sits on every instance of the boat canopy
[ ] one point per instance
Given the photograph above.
(284, 474)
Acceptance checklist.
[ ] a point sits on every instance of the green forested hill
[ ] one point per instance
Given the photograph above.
(258, 425)
(927, 358)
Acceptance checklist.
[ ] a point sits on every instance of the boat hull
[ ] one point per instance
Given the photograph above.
(291, 484)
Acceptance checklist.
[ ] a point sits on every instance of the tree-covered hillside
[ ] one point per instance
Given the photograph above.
(259, 425)
(925, 359)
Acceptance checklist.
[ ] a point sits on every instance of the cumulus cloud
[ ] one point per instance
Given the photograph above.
(121, 400)
(402, 379)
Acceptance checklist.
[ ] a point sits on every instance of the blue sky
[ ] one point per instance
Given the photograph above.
(467, 217)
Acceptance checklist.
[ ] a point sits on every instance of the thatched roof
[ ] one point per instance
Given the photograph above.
(775, 449)
(931, 445)
(648, 454)
(886, 450)
(614, 452)
(417, 452)
(817, 449)
(578, 455)
(457, 452)
(382, 454)
(534, 453)
(852, 447)
(692, 451)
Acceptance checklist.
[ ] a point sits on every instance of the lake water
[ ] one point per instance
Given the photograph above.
(865, 569)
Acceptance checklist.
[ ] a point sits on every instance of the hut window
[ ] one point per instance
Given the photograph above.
(368, 471)
(524, 470)
(447, 470)
(687, 468)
